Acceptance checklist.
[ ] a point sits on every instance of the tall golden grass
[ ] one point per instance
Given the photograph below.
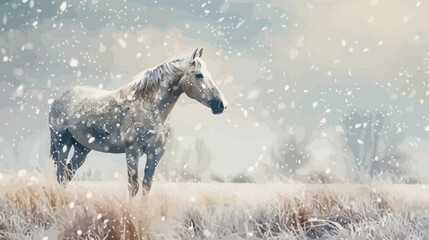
(36, 207)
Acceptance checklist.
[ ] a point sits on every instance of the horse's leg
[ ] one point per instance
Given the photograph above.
(79, 156)
(133, 156)
(153, 158)
(62, 142)
(54, 151)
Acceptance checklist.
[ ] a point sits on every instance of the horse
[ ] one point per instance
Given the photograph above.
(131, 120)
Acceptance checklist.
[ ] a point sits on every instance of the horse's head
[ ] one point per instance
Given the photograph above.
(198, 84)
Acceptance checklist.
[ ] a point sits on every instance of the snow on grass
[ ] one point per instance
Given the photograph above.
(211, 210)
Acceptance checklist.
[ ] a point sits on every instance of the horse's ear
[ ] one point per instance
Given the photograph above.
(200, 53)
(194, 54)
(191, 61)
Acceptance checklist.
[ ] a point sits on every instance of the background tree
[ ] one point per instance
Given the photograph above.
(194, 163)
(289, 156)
(203, 157)
(241, 178)
(371, 139)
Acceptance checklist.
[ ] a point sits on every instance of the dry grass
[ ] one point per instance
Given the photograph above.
(36, 208)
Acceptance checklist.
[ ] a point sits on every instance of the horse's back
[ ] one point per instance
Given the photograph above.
(79, 103)
(89, 92)
(80, 94)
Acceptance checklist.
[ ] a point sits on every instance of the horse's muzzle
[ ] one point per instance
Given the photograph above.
(217, 106)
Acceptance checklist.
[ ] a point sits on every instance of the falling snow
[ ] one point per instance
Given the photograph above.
(311, 98)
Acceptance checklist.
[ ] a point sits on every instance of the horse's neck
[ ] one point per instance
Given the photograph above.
(161, 100)
(166, 105)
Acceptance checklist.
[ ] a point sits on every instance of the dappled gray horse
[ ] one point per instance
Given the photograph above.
(128, 120)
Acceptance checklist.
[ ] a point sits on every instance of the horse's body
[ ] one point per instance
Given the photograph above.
(129, 120)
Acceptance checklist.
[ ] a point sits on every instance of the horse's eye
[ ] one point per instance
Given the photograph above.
(199, 75)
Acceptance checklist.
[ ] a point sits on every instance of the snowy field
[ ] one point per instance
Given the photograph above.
(37, 208)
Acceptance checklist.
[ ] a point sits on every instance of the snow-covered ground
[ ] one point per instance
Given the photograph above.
(37, 208)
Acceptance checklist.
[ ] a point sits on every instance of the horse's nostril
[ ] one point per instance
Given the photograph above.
(216, 106)
(221, 107)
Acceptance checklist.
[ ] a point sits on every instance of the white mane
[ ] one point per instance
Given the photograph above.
(154, 76)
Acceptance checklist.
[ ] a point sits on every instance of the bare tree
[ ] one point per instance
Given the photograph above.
(362, 134)
(369, 138)
(203, 157)
(391, 162)
(289, 156)
(185, 171)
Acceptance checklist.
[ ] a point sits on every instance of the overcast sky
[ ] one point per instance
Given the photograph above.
(286, 67)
